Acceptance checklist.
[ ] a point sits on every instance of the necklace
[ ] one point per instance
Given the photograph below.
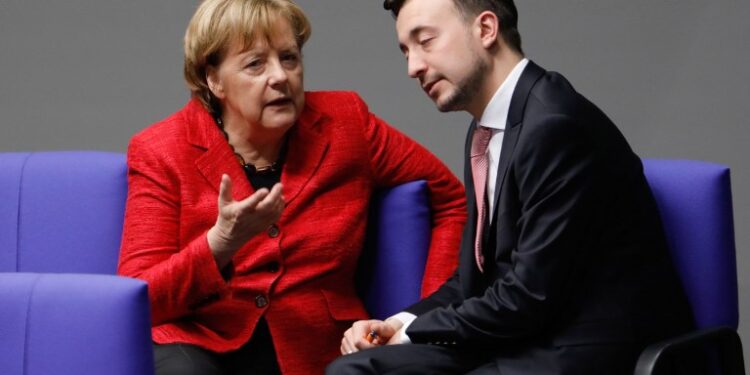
(249, 167)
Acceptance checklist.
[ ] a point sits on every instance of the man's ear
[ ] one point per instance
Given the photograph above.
(214, 82)
(488, 28)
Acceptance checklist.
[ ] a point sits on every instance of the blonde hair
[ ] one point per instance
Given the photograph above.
(218, 23)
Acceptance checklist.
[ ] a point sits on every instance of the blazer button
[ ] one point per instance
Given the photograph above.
(273, 267)
(273, 231)
(261, 301)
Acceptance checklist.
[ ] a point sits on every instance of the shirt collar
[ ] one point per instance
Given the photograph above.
(495, 115)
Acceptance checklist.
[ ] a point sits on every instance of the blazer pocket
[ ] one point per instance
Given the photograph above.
(344, 306)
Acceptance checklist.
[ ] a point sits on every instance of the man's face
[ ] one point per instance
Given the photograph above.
(441, 52)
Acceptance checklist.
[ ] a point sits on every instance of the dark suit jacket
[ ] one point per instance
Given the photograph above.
(575, 254)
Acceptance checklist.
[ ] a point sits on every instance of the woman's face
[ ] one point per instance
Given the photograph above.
(261, 86)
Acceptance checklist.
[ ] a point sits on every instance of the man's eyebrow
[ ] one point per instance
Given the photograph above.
(415, 31)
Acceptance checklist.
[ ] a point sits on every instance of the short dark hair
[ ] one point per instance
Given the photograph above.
(505, 10)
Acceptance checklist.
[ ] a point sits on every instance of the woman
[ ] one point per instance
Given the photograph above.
(247, 209)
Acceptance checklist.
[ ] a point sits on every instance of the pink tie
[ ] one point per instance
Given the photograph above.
(479, 166)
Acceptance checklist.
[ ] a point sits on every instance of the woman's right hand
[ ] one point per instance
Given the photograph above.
(238, 221)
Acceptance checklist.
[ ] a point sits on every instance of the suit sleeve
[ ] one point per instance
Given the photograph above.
(178, 275)
(553, 166)
(397, 159)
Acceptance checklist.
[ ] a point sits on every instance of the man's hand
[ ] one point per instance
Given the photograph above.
(366, 334)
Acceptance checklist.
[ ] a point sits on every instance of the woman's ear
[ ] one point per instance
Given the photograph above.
(214, 82)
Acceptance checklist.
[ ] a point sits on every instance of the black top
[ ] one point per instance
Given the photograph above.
(264, 178)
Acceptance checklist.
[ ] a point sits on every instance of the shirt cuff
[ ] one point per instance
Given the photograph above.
(405, 318)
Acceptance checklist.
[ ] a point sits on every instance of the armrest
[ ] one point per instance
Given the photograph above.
(390, 271)
(74, 324)
(725, 339)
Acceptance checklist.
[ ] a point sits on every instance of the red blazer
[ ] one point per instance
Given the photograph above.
(338, 153)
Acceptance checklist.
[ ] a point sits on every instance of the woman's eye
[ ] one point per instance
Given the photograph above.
(290, 58)
(254, 64)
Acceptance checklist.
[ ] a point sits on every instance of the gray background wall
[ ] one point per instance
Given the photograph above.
(88, 74)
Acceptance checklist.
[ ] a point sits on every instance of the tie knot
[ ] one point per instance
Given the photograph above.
(480, 140)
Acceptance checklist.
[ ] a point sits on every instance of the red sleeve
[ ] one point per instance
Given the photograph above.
(177, 276)
(396, 159)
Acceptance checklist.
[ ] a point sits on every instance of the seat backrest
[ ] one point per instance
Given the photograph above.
(695, 203)
(61, 211)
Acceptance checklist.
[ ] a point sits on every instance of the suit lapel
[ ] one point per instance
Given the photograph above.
(218, 157)
(306, 148)
(528, 78)
(469, 177)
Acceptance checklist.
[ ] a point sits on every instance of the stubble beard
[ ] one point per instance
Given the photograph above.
(466, 89)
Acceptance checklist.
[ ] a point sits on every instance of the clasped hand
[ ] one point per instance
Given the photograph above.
(356, 337)
(238, 221)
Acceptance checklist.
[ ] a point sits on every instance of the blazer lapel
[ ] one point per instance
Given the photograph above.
(218, 157)
(468, 270)
(469, 177)
(528, 78)
(306, 147)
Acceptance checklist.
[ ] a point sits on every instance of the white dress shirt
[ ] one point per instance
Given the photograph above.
(495, 116)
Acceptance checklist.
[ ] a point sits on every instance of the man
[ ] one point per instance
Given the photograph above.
(564, 267)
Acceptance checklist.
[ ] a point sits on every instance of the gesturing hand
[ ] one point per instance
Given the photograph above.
(238, 221)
